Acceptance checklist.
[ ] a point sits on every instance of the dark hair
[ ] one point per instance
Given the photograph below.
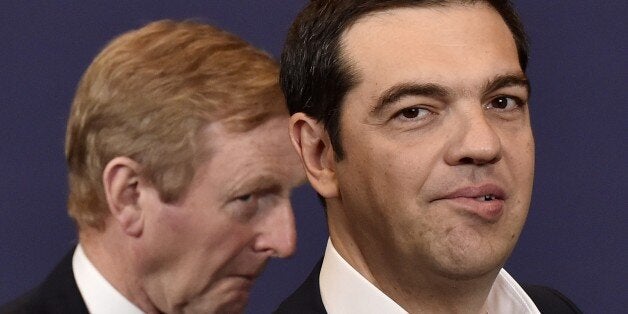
(315, 78)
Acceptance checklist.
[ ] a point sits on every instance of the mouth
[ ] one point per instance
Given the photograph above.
(484, 201)
(486, 198)
(484, 192)
(249, 278)
(242, 283)
(244, 277)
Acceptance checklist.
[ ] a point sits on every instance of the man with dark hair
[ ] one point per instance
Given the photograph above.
(411, 119)
(180, 173)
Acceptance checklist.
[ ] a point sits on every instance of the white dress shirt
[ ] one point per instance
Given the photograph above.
(99, 295)
(345, 290)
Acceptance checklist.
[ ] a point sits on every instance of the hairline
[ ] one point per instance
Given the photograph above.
(347, 66)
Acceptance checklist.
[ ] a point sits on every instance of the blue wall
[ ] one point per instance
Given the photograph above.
(575, 238)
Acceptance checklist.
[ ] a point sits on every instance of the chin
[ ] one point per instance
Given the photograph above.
(468, 270)
(470, 256)
(234, 302)
(232, 308)
(226, 301)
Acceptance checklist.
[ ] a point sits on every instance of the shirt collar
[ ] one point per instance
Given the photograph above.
(99, 295)
(344, 290)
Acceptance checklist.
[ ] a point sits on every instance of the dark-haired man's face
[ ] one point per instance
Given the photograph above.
(439, 153)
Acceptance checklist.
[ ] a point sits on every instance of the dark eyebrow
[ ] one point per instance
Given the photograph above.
(398, 91)
(501, 81)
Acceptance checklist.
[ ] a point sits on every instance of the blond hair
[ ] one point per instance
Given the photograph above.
(147, 95)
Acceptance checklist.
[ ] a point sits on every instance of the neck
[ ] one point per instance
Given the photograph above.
(414, 290)
(108, 251)
(434, 294)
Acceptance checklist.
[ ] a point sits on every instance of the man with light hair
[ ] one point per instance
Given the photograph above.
(180, 173)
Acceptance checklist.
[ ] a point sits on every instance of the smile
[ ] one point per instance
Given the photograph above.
(486, 198)
(484, 201)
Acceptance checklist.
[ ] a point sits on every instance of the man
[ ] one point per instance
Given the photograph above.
(411, 119)
(180, 171)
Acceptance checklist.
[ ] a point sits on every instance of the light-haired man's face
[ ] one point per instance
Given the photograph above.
(439, 153)
(205, 251)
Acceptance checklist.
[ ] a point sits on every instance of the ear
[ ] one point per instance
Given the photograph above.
(121, 180)
(313, 145)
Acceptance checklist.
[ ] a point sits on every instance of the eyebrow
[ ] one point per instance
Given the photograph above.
(399, 91)
(249, 185)
(508, 80)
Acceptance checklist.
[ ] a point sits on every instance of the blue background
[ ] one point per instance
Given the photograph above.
(575, 237)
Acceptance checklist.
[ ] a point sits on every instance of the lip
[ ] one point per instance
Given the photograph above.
(466, 199)
(243, 283)
(248, 278)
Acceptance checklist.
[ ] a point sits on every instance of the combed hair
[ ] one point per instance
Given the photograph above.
(148, 94)
(314, 76)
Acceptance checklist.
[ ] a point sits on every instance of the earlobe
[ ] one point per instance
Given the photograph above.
(312, 143)
(121, 179)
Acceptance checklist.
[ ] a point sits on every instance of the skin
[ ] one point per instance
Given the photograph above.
(202, 253)
(410, 147)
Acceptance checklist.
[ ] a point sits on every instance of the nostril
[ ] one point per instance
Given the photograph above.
(478, 161)
(466, 160)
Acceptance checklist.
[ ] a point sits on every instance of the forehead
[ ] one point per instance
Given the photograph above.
(444, 44)
(267, 138)
(235, 157)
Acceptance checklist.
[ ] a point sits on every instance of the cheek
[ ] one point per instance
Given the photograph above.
(520, 160)
(206, 244)
(225, 244)
(407, 178)
(170, 237)
(519, 147)
(393, 180)
(214, 259)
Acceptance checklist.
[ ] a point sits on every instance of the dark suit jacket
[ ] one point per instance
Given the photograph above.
(57, 294)
(307, 298)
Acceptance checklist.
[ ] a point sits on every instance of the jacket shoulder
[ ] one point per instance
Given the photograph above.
(307, 298)
(57, 294)
(26, 303)
(550, 301)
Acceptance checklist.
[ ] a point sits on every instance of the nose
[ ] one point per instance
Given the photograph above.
(474, 140)
(278, 236)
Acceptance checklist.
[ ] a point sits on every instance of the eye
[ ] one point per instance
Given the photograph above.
(244, 207)
(505, 103)
(412, 113)
(244, 198)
